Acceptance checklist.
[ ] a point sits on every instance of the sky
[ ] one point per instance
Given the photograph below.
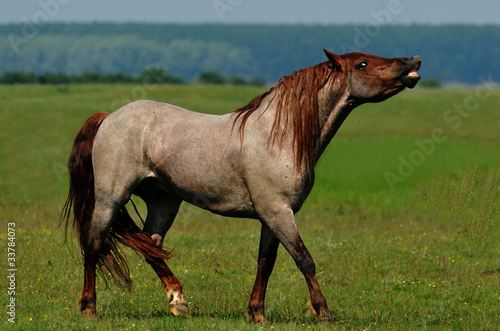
(40, 12)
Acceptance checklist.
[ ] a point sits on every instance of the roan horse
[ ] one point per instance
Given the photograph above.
(257, 162)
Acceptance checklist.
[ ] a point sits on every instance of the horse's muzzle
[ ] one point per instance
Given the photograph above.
(409, 76)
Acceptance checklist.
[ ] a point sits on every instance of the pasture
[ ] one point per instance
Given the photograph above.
(403, 221)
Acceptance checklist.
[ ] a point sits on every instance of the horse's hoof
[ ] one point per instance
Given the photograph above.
(179, 309)
(325, 317)
(256, 317)
(87, 308)
(310, 309)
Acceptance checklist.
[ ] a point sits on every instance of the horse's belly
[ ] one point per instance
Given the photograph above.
(222, 201)
(222, 193)
(231, 209)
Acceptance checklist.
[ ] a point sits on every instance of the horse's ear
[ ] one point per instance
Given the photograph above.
(335, 60)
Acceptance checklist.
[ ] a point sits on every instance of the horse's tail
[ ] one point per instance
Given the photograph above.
(81, 174)
(81, 199)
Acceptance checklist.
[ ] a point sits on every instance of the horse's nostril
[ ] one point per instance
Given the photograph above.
(414, 60)
(417, 61)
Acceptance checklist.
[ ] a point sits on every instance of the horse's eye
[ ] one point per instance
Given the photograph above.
(362, 65)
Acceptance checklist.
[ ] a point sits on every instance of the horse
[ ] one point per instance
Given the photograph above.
(256, 162)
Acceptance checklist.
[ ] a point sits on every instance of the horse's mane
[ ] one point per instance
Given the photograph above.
(297, 108)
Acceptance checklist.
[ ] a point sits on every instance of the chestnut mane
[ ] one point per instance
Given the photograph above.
(297, 109)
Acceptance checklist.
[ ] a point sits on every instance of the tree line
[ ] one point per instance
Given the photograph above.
(450, 53)
(147, 76)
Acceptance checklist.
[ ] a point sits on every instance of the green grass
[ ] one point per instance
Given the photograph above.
(378, 246)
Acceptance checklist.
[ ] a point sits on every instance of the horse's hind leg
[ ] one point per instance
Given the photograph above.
(99, 225)
(157, 224)
(162, 209)
(87, 302)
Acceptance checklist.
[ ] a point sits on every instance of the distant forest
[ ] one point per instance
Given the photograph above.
(450, 53)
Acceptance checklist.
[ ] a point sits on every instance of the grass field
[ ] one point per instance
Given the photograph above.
(403, 222)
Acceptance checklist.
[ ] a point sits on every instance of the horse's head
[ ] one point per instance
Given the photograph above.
(373, 78)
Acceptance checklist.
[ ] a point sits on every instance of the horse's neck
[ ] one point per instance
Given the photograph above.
(334, 109)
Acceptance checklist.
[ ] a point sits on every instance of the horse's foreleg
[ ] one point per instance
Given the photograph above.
(268, 249)
(283, 226)
(308, 268)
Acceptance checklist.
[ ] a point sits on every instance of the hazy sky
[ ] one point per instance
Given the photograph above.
(252, 11)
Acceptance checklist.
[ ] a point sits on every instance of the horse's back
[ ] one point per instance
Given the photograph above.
(147, 122)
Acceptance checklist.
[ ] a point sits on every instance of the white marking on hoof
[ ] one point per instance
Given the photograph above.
(178, 305)
(158, 239)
